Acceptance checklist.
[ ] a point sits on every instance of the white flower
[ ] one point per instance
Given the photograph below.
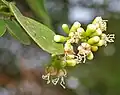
(100, 23)
(109, 39)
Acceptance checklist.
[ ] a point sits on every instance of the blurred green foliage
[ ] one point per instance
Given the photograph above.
(2, 27)
(39, 9)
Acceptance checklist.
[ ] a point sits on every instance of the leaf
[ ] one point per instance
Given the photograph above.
(41, 34)
(38, 8)
(16, 31)
(2, 27)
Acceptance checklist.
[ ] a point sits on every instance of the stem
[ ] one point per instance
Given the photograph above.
(5, 2)
(6, 14)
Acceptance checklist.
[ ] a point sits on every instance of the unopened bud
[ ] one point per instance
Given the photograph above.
(75, 26)
(90, 56)
(63, 63)
(65, 28)
(96, 20)
(71, 34)
(103, 36)
(71, 62)
(91, 28)
(94, 48)
(93, 40)
(59, 38)
(98, 32)
(70, 56)
(101, 43)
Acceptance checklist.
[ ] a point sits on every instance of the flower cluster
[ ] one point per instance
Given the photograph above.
(79, 45)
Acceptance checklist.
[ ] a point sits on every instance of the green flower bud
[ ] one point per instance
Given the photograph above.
(98, 32)
(90, 56)
(94, 48)
(70, 56)
(101, 43)
(93, 40)
(71, 34)
(91, 28)
(63, 63)
(59, 38)
(65, 28)
(75, 26)
(71, 62)
(103, 36)
(96, 20)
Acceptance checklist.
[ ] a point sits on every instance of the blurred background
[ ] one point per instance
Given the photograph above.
(21, 66)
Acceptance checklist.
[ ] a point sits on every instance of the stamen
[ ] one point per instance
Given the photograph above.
(46, 77)
(110, 38)
(62, 82)
(55, 81)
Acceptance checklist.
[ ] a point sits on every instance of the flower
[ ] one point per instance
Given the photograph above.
(100, 23)
(55, 76)
(84, 49)
(78, 46)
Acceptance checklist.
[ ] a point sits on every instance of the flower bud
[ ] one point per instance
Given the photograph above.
(70, 56)
(63, 64)
(98, 32)
(90, 29)
(96, 20)
(65, 28)
(93, 40)
(59, 38)
(101, 43)
(75, 26)
(94, 48)
(103, 36)
(71, 62)
(90, 56)
(71, 34)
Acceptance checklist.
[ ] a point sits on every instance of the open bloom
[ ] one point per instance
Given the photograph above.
(55, 76)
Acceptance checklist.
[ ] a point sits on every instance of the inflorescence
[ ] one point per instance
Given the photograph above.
(79, 45)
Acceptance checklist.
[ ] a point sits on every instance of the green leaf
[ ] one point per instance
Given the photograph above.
(38, 8)
(41, 34)
(16, 31)
(2, 27)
